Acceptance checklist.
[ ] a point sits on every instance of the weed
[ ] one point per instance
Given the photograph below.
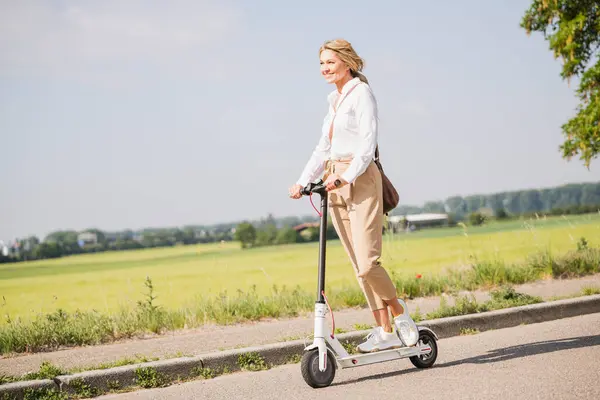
(205, 373)
(252, 362)
(338, 331)
(44, 394)
(349, 346)
(83, 389)
(47, 371)
(7, 379)
(118, 363)
(362, 327)
(293, 359)
(417, 316)
(582, 244)
(590, 290)
(113, 385)
(149, 377)
(469, 331)
(463, 305)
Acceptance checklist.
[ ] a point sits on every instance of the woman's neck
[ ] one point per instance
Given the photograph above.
(340, 84)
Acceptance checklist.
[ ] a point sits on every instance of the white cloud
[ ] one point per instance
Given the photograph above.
(87, 37)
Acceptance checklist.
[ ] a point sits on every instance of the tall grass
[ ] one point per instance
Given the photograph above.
(61, 328)
(501, 298)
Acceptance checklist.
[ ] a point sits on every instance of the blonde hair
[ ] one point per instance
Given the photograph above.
(344, 50)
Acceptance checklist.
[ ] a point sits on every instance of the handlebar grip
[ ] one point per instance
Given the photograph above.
(313, 188)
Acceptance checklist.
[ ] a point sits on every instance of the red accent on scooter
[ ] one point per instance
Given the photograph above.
(311, 202)
(332, 319)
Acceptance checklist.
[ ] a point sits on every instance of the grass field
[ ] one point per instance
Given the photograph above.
(105, 281)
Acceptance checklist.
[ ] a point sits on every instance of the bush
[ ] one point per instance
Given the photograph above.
(501, 214)
(476, 218)
(577, 263)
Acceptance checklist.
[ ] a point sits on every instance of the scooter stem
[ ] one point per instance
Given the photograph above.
(322, 247)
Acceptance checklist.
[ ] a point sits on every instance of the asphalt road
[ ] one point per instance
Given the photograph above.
(552, 360)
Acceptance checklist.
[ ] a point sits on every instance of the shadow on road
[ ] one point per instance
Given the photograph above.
(528, 349)
(498, 355)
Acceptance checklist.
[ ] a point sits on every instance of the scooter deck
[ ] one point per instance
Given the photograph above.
(357, 360)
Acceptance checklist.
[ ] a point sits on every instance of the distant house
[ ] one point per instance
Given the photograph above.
(306, 225)
(417, 221)
(85, 238)
(200, 234)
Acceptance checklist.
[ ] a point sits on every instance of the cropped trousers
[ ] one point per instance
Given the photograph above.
(357, 215)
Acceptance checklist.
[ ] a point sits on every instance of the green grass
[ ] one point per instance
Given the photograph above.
(107, 281)
(98, 298)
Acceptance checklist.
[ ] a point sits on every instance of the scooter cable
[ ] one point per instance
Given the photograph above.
(331, 311)
(311, 202)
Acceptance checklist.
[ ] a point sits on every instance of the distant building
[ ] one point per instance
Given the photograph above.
(413, 222)
(306, 225)
(87, 238)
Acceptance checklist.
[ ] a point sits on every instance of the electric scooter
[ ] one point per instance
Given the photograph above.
(326, 354)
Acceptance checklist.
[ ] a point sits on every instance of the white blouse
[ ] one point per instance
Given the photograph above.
(354, 133)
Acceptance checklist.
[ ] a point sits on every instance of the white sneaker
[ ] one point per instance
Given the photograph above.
(406, 328)
(378, 340)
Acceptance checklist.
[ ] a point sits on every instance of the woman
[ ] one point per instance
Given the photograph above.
(345, 154)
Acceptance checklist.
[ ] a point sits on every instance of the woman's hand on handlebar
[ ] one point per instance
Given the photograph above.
(334, 181)
(295, 191)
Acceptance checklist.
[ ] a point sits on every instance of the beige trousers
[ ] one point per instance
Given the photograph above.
(357, 215)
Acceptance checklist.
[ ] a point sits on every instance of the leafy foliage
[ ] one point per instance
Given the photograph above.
(572, 28)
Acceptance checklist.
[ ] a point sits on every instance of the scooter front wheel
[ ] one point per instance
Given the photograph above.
(426, 360)
(310, 369)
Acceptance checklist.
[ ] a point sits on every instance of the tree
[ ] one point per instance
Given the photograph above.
(47, 250)
(245, 233)
(501, 213)
(434, 207)
(572, 28)
(286, 236)
(266, 235)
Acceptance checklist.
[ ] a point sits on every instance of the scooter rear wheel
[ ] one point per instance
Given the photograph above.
(310, 369)
(426, 360)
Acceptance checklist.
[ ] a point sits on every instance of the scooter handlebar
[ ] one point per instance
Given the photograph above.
(317, 187)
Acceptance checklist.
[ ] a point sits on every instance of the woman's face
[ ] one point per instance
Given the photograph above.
(332, 68)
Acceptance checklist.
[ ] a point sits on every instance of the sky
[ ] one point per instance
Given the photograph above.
(132, 114)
